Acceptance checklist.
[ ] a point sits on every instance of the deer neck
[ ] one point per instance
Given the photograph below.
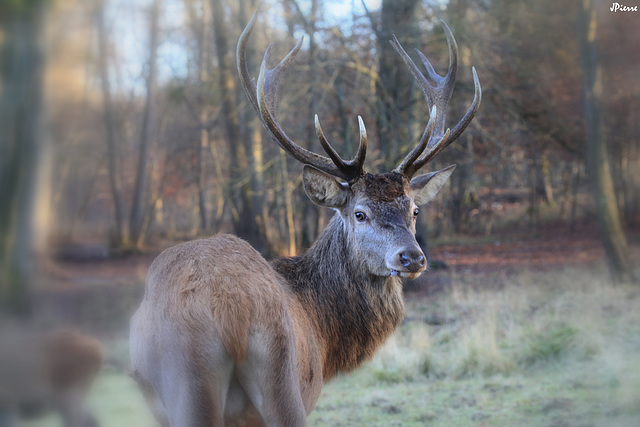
(353, 313)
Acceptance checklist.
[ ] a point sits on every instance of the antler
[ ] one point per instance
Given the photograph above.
(264, 98)
(434, 137)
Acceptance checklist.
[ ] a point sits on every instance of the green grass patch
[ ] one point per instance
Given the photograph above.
(548, 345)
(554, 348)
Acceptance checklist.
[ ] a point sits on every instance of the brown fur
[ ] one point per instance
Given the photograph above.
(55, 370)
(196, 289)
(233, 304)
(383, 187)
(72, 359)
(353, 314)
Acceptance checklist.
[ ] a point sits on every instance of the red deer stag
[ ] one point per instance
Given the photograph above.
(224, 337)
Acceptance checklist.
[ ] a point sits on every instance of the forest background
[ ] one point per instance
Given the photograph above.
(123, 129)
(132, 128)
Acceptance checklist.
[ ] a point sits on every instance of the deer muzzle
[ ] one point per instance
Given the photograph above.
(412, 260)
(407, 262)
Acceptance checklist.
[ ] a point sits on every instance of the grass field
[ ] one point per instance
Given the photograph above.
(555, 348)
(550, 349)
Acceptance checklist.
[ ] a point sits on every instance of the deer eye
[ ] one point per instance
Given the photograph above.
(416, 211)
(361, 216)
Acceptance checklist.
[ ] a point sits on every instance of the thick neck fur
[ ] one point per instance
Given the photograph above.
(354, 312)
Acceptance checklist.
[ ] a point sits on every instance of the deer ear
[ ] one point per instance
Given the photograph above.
(323, 189)
(425, 187)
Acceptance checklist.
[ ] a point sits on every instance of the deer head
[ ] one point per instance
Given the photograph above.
(378, 211)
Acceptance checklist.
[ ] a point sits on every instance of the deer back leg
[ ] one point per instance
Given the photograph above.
(185, 384)
(269, 377)
(199, 389)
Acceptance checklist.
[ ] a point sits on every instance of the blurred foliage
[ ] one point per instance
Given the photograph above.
(527, 145)
(13, 8)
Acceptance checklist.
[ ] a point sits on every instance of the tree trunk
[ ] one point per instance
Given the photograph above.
(547, 184)
(288, 204)
(203, 65)
(202, 170)
(395, 115)
(201, 25)
(252, 138)
(312, 216)
(463, 191)
(611, 231)
(463, 195)
(258, 185)
(240, 188)
(21, 147)
(220, 188)
(120, 238)
(142, 174)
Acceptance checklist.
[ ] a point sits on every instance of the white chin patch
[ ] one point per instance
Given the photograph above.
(404, 275)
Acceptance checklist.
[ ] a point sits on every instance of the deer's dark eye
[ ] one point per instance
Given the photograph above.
(416, 211)
(361, 216)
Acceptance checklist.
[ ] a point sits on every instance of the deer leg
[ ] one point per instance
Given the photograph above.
(191, 402)
(199, 394)
(269, 376)
(193, 387)
(153, 401)
(73, 410)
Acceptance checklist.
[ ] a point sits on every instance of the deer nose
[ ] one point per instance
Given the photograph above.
(412, 259)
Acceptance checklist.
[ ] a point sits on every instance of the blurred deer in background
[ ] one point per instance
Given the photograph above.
(224, 337)
(42, 372)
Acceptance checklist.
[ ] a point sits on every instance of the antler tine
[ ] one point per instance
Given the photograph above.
(263, 97)
(435, 149)
(437, 95)
(418, 149)
(354, 167)
(241, 63)
(361, 154)
(269, 80)
(471, 112)
(452, 135)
